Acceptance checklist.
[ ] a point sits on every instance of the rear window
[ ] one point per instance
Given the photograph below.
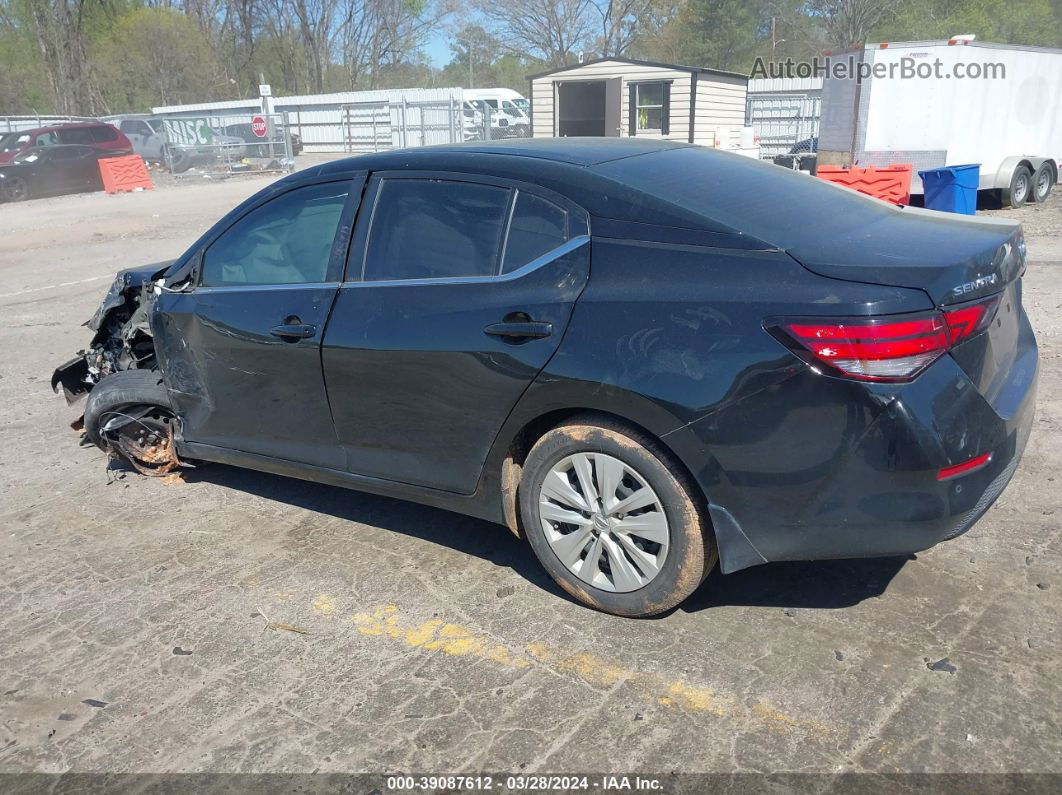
(769, 202)
(537, 227)
(105, 133)
(76, 135)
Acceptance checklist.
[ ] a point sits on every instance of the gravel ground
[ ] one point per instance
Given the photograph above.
(138, 617)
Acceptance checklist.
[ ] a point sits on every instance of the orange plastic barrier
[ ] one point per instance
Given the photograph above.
(124, 173)
(893, 183)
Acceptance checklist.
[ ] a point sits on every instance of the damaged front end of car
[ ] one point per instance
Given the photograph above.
(123, 338)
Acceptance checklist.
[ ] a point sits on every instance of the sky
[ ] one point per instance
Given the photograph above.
(438, 49)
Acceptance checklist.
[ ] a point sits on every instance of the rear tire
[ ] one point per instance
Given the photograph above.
(178, 160)
(1042, 182)
(146, 440)
(1020, 187)
(15, 189)
(636, 543)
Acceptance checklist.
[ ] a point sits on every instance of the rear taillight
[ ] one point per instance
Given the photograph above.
(890, 348)
(970, 320)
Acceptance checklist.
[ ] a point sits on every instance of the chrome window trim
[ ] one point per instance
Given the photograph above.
(238, 288)
(566, 248)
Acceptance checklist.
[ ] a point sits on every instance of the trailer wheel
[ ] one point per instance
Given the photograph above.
(1042, 182)
(1020, 187)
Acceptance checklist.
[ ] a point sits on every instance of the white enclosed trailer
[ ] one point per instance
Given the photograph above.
(937, 103)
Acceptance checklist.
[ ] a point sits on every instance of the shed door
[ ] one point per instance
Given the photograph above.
(613, 106)
(581, 108)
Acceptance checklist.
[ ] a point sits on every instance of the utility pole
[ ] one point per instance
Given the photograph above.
(774, 40)
(471, 77)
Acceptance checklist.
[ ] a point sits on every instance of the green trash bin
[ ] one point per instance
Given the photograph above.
(952, 189)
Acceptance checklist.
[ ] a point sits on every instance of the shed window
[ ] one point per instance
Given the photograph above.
(650, 108)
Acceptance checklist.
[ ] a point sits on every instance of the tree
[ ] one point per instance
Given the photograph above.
(848, 23)
(1033, 22)
(474, 53)
(619, 22)
(60, 30)
(155, 56)
(721, 34)
(554, 31)
(380, 35)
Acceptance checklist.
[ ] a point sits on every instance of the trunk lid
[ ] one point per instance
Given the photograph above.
(953, 259)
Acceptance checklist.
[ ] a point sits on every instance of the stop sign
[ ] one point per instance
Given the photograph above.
(258, 126)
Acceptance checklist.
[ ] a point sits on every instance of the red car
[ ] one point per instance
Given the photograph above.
(97, 134)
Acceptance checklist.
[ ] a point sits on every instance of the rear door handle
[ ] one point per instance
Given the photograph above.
(523, 330)
(298, 331)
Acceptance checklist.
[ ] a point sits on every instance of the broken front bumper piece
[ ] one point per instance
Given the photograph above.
(73, 376)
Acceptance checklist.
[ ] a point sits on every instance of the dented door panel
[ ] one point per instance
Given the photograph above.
(239, 386)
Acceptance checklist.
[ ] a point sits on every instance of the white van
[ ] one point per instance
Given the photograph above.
(508, 111)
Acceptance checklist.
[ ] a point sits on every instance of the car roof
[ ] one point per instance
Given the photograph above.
(573, 151)
(571, 167)
(66, 125)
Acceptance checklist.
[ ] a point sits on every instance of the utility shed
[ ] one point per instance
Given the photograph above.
(626, 98)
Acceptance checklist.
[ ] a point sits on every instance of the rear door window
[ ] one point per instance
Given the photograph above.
(537, 227)
(435, 229)
(103, 134)
(67, 153)
(135, 127)
(287, 240)
(76, 135)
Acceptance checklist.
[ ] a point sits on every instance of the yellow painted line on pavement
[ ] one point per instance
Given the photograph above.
(458, 641)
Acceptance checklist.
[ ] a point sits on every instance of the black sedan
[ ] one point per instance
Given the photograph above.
(642, 357)
(47, 170)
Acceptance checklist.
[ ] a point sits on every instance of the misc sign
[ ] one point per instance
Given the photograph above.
(188, 132)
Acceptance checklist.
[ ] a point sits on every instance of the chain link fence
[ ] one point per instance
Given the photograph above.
(379, 126)
(33, 121)
(787, 126)
(221, 145)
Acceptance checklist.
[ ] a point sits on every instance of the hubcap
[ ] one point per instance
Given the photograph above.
(1043, 184)
(1021, 187)
(604, 522)
(16, 189)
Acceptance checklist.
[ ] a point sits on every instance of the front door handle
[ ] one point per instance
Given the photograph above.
(296, 331)
(523, 330)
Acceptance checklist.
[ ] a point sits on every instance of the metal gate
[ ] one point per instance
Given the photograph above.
(784, 123)
(378, 126)
(226, 144)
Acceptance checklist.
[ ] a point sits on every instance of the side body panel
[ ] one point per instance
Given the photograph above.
(235, 385)
(418, 388)
(238, 384)
(670, 337)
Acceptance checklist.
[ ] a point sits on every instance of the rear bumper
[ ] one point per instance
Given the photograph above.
(839, 469)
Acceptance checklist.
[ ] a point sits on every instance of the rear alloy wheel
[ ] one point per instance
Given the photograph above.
(612, 520)
(1042, 182)
(1020, 187)
(14, 189)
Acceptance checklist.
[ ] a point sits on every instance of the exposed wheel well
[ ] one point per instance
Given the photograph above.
(524, 440)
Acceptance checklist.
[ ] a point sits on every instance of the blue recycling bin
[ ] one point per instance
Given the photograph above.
(952, 189)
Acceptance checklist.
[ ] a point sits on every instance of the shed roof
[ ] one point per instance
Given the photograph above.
(634, 62)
